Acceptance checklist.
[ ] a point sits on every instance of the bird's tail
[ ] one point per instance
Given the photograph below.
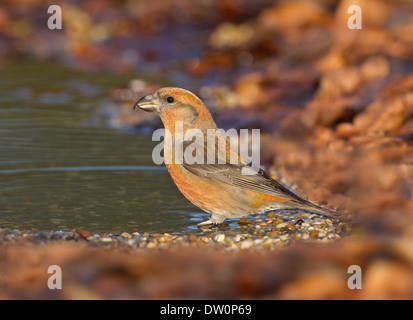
(312, 207)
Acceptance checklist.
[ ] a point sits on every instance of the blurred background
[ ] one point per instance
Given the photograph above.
(334, 105)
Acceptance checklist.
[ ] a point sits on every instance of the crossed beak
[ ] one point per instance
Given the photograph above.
(148, 103)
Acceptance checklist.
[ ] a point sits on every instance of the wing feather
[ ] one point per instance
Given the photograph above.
(232, 175)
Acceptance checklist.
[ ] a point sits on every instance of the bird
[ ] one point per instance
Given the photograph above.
(220, 188)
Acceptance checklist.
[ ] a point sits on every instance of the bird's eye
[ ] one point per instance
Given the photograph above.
(170, 99)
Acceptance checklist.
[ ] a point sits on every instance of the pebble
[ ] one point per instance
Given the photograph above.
(319, 223)
(299, 222)
(281, 225)
(106, 240)
(131, 242)
(126, 235)
(219, 238)
(291, 227)
(284, 237)
(246, 244)
(269, 231)
(313, 234)
(268, 241)
(275, 233)
(151, 245)
(245, 221)
(83, 233)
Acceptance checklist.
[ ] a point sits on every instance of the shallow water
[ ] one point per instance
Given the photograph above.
(62, 167)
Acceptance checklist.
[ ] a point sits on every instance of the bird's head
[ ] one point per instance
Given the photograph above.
(176, 104)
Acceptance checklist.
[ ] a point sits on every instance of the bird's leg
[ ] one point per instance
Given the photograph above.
(215, 219)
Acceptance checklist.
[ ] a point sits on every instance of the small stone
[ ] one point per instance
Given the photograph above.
(313, 234)
(137, 238)
(297, 236)
(246, 244)
(319, 223)
(284, 237)
(151, 245)
(245, 221)
(219, 238)
(299, 222)
(281, 225)
(83, 233)
(291, 227)
(166, 238)
(130, 242)
(274, 233)
(279, 244)
(156, 235)
(106, 240)
(126, 235)
(268, 242)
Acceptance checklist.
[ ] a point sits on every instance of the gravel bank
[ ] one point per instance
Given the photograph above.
(272, 230)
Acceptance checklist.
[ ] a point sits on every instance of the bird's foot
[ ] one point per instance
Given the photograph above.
(205, 223)
(212, 221)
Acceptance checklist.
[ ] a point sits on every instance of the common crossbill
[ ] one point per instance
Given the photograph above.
(221, 189)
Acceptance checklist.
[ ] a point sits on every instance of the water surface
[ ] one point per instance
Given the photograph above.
(62, 167)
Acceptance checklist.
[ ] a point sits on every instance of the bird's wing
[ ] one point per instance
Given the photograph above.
(255, 181)
(232, 175)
